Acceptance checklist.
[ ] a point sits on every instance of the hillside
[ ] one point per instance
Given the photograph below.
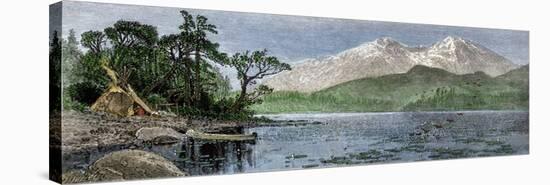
(420, 89)
(386, 56)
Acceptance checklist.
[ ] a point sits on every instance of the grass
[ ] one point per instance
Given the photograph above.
(420, 89)
(299, 102)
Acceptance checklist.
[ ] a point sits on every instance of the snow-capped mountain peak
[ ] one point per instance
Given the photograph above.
(387, 41)
(385, 56)
(453, 39)
(452, 43)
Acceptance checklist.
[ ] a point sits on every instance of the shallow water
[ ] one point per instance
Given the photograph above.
(345, 139)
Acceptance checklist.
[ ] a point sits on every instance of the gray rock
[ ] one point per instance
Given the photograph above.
(157, 134)
(132, 164)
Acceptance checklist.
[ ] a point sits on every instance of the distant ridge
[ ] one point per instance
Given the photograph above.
(421, 88)
(387, 56)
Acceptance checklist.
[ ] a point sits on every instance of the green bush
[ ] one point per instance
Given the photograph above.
(155, 99)
(219, 110)
(84, 92)
(69, 104)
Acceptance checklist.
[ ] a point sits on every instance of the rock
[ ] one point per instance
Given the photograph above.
(163, 140)
(132, 164)
(438, 125)
(158, 134)
(428, 130)
(167, 114)
(426, 127)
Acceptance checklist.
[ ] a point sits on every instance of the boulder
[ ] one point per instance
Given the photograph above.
(132, 164)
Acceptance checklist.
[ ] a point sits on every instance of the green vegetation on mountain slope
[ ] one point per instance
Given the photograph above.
(420, 89)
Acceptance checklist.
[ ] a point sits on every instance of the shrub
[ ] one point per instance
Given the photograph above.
(84, 92)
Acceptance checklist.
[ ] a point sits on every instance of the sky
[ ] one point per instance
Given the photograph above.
(290, 38)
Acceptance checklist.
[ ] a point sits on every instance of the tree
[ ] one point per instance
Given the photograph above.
(196, 30)
(71, 56)
(133, 51)
(180, 68)
(90, 76)
(131, 33)
(70, 47)
(251, 67)
(93, 40)
(55, 72)
(133, 55)
(220, 84)
(177, 50)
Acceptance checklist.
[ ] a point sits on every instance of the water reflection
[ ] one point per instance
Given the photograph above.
(205, 157)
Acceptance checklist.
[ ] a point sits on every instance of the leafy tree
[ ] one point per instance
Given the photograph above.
(93, 40)
(195, 30)
(177, 68)
(177, 51)
(190, 55)
(88, 80)
(133, 52)
(92, 80)
(250, 68)
(91, 77)
(131, 34)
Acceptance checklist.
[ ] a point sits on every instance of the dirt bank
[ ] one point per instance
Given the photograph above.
(89, 130)
(83, 131)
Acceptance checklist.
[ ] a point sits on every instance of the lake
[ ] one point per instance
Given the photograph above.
(344, 139)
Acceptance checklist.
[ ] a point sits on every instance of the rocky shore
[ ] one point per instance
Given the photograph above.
(85, 131)
(89, 130)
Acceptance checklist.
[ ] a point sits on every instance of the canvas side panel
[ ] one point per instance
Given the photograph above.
(55, 55)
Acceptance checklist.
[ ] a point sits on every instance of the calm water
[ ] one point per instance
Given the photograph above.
(345, 139)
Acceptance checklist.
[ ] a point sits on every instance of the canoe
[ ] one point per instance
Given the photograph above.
(226, 137)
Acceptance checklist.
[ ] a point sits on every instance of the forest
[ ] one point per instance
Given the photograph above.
(179, 72)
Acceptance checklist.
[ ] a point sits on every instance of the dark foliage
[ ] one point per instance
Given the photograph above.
(55, 73)
(84, 92)
(179, 72)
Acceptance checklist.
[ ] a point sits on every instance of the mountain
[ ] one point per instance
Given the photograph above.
(519, 75)
(421, 88)
(386, 56)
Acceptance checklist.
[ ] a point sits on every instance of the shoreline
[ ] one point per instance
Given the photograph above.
(389, 112)
(325, 114)
(85, 131)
